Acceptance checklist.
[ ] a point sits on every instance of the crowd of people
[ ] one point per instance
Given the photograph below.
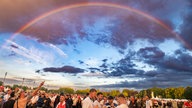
(19, 98)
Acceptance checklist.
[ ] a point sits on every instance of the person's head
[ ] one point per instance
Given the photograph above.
(22, 94)
(12, 94)
(105, 98)
(62, 98)
(132, 98)
(146, 97)
(110, 99)
(9, 91)
(92, 93)
(99, 96)
(1, 88)
(121, 99)
(1, 98)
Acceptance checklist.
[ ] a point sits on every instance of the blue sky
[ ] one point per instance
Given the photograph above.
(97, 46)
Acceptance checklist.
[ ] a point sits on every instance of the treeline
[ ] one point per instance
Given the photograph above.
(171, 92)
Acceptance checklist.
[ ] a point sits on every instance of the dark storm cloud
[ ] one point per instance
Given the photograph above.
(169, 70)
(159, 80)
(124, 66)
(94, 69)
(151, 52)
(61, 28)
(186, 27)
(181, 61)
(161, 9)
(64, 69)
(16, 14)
(104, 65)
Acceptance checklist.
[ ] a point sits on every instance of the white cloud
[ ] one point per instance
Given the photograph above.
(58, 50)
(30, 54)
(22, 62)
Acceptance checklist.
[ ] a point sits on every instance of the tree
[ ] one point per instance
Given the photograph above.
(125, 92)
(157, 91)
(188, 93)
(66, 90)
(114, 92)
(142, 93)
(169, 93)
(84, 91)
(1, 83)
(179, 93)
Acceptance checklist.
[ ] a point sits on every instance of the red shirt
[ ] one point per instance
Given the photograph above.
(61, 105)
(187, 104)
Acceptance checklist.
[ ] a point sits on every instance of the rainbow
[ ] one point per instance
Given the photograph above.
(127, 8)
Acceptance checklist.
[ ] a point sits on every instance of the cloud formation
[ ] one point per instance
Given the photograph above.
(146, 64)
(64, 69)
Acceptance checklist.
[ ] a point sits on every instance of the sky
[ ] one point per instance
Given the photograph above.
(103, 44)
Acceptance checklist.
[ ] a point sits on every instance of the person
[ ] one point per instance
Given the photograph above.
(74, 98)
(10, 102)
(47, 101)
(33, 101)
(180, 104)
(1, 101)
(88, 101)
(40, 100)
(104, 101)
(57, 99)
(97, 103)
(61, 103)
(148, 102)
(7, 96)
(79, 102)
(110, 103)
(2, 91)
(69, 101)
(133, 102)
(122, 101)
(21, 102)
(52, 97)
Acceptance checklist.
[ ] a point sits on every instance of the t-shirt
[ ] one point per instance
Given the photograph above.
(61, 105)
(122, 106)
(148, 104)
(87, 103)
(96, 103)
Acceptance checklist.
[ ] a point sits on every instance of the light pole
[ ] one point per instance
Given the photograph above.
(4, 78)
(23, 81)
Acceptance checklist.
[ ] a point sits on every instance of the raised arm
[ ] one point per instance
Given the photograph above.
(38, 88)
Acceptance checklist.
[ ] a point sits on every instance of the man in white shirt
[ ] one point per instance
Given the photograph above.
(88, 101)
(97, 103)
(122, 101)
(148, 102)
(7, 96)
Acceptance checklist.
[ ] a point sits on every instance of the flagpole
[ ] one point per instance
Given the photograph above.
(4, 78)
